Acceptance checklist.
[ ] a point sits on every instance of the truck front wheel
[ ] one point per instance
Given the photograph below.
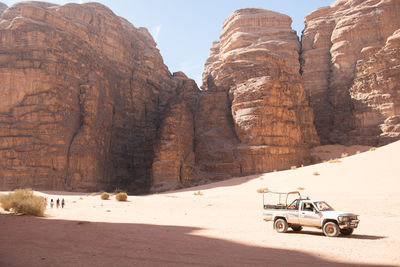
(281, 226)
(331, 229)
(347, 231)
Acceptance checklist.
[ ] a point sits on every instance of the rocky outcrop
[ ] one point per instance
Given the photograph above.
(82, 92)
(253, 116)
(2, 7)
(350, 66)
(174, 158)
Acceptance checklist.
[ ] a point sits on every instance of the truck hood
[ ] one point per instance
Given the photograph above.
(335, 213)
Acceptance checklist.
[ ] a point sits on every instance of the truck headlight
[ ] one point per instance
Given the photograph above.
(343, 219)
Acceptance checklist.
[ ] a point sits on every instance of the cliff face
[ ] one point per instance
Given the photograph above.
(86, 102)
(253, 116)
(174, 160)
(350, 65)
(82, 92)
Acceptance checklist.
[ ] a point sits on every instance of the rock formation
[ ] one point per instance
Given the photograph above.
(82, 92)
(86, 102)
(350, 66)
(253, 116)
(2, 7)
(174, 158)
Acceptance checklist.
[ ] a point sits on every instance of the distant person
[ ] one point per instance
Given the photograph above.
(58, 203)
(62, 203)
(51, 203)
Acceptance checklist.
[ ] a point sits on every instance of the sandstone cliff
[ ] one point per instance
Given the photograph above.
(253, 116)
(2, 7)
(174, 159)
(82, 92)
(350, 65)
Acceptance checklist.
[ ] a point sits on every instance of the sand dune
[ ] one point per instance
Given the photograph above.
(222, 226)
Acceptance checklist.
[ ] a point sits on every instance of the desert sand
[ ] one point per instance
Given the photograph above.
(218, 224)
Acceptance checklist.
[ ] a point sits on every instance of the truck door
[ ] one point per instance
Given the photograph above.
(293, 212)
(308, 216)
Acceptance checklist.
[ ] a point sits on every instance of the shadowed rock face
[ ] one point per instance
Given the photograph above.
(82, 92)
(350, 64)
(174, 159)
(253, 116)
(2, 7)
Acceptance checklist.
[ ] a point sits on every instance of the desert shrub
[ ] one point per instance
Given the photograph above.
(316, 173)
(261, 190)
(372, 149)
(344, 155)
(293, 167)
(105, 196)
(23, 201)
(122, 196)
(198, 193)
(334, 161)
(300, 188)
(358, 152)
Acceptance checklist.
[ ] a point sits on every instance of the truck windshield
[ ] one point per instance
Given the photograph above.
(323, 206)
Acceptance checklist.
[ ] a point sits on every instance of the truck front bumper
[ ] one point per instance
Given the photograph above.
(350, 224)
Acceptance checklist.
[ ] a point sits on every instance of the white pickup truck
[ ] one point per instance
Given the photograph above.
(305, 212)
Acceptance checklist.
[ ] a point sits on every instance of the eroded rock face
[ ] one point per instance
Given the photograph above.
(351, 71)
(253, 116)
(174, 160)
(2, 7)
(82, 92)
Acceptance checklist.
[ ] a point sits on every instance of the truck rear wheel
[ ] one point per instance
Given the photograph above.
(281, 226)
(331, 229)
(347, 231)
(297, 228)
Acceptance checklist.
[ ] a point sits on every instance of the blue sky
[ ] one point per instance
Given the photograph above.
(185, 29)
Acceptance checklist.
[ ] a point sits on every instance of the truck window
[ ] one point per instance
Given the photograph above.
(294, 205)
(307, 207)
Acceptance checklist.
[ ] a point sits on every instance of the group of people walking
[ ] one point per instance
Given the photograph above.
(57, 203)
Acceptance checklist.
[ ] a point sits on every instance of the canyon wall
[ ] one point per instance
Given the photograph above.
(82, 94)
(86, 102)
(350, 66)
(253, 115)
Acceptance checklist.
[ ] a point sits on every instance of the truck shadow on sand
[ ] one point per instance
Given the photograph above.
(354, 236)
(31, 241)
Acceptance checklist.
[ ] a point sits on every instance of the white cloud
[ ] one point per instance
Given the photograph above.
(155, 32)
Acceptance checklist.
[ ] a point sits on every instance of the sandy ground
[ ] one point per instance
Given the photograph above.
(222, 226)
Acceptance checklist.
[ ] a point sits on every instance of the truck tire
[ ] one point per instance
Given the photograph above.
(331, 229)
(347, 231)
(297, 228)
(281, 226)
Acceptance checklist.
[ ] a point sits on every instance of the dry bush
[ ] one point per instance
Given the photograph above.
(300, 188)
(358, 152)
(293, 167)
(121, 196)
(275, 170)
(93, 194)
(344, 155)
(316, 173)
(334, 161)
(105, 196)
(372, 149)
(261, 190)
(198, 193)
(23, 201)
